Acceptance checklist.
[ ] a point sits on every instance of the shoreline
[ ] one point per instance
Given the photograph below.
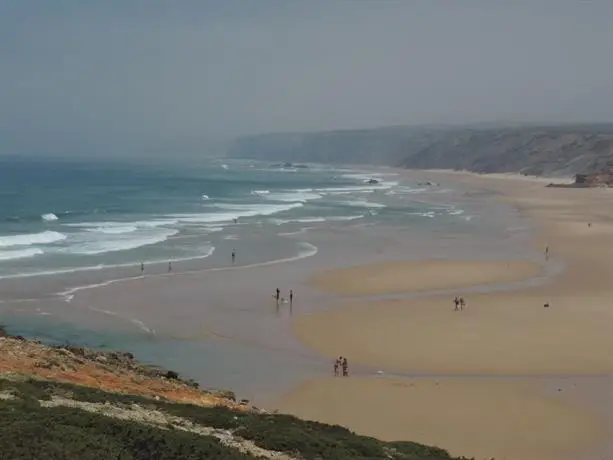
(241, 324)
(385, 325)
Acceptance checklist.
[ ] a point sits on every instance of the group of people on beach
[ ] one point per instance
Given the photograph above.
(142, 267)
(459, 303)
(341, 362)
(277, 296)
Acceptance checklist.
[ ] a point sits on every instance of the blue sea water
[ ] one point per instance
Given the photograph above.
(65, 216)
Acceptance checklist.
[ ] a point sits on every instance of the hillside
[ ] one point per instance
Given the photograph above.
(65, 403)
(536, 150)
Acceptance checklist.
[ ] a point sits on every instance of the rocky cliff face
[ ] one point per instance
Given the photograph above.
(534, 150)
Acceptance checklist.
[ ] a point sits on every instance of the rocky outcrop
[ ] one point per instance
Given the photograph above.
(602, 178)
(105, 370)
(562, 150)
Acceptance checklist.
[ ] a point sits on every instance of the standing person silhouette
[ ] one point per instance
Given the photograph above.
(291, 296)
(142, 268)
(233, 255)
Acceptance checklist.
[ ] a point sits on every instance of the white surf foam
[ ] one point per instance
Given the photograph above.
(363, 204)
(205, 197)
(85, 244)
(259, 192)
(20, 254)
(122, 227)
(29, 239)
(313, 220)
(294, 196)
(235, 212)
(49, 217)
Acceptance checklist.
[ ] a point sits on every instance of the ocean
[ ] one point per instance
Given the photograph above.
(63, 216)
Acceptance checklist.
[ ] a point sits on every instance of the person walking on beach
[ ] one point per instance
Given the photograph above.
(233, 255)
(169, 267)
(278, 294)
(142, 268)
(456, 302)
(336, 364)
(546, 252)
(345, 368)
(462, 303)
(291, 296)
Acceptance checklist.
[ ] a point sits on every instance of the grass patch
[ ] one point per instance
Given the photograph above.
(70, 432)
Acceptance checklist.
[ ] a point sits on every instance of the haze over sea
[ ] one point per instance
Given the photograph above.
(74, 233)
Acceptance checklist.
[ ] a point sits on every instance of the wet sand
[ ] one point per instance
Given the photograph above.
(501, 333)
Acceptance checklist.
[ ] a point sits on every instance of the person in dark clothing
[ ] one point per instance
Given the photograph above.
(278, 294)
(291, 296)
(233, 255)
(345, 368)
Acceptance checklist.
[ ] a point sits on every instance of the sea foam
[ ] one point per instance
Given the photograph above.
(20, 254)
(49, 217)
(29, 239)
(88, 244)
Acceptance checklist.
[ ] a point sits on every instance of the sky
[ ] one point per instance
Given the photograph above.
(83, 74)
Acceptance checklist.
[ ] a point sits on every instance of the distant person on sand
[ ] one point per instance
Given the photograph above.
(546, 252)
(589, 225)
(336, 364)
(169, 267)
(345, 368)
(278, 292)
(233, 255)
(291, 296)
(462, 303)
(456, 302)
(142, 268)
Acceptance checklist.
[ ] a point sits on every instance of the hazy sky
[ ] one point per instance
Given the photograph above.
(83, 72)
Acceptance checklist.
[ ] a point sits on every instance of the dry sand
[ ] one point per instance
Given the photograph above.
(500, 333)
(422, 275)
(481, 418)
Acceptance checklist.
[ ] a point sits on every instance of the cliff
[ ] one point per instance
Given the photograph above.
(534, 150)
(69, 403)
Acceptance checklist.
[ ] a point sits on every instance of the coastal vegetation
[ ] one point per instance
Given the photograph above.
(55, 420)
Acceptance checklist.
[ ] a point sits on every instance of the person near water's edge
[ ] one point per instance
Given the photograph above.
(233, 255)
(336, 364)
(345, 367)
(142, 268)
(291, 296)
(169, 267)
(278, 294)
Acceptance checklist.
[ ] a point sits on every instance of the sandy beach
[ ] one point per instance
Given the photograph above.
(478, 382)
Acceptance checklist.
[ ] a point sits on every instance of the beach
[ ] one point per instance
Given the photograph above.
(374, 270)
(508, 377)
